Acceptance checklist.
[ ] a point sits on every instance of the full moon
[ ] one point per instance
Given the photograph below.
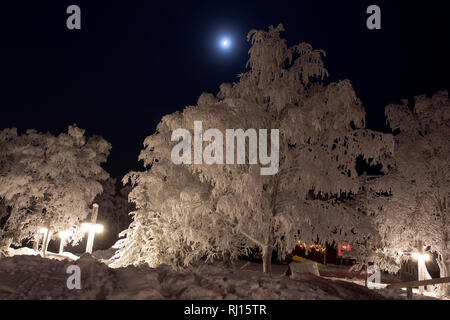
(225, 43)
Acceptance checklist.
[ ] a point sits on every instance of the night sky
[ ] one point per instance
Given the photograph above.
(135, 61)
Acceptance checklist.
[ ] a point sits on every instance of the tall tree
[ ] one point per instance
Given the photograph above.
(48, 181)
(416, 206)
(321, 132)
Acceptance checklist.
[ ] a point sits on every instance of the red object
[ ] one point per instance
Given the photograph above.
(343, 248)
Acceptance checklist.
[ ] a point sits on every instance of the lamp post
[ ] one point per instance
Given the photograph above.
(421, 257)
(62, 236)
(45, 240)
(92, 228)
(421, 267)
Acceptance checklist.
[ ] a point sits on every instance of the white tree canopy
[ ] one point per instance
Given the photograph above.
(174, 222)
(48, 181)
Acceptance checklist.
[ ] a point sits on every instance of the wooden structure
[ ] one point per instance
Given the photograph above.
(410, 284)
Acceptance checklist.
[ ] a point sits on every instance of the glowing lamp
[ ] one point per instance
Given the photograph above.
(99, 228)
(92, 229)
(421, 267)
(85, 227)
(420, 256)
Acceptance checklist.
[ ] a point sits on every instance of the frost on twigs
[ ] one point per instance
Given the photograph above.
(190, 212)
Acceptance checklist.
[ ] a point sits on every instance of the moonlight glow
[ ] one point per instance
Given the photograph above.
(225, 43)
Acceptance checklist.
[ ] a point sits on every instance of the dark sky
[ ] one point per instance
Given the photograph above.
(135, 61)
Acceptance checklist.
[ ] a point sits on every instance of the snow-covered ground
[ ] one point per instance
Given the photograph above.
(33, 277)
(329, 270)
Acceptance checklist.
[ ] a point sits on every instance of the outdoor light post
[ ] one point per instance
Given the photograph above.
(62, 236)
(92, 228)
(91, 236)
(45, 240)
(422, 272)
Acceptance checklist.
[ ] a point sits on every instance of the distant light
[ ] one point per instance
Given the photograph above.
(419, 256)
(99, 228)
(43, 230)
(62, 234)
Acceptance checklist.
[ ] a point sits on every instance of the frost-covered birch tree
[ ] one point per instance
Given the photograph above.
(48, 181)
(321, 132)
(416, 207)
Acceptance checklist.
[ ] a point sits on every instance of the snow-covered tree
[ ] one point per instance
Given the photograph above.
(48, 181)
(174, 222)
(416, 205)
(321, 132)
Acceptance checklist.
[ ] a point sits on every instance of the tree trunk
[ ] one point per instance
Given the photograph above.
(45, 242)
(267, 258)
(444, 271)
(226, 260)
(36, 244)
(366, 280)
(5, 243)
(443, 259)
